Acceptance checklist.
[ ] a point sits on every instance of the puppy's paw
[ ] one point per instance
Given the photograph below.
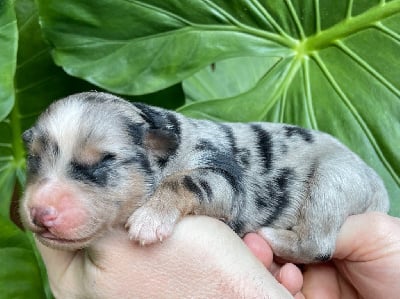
(149, 224)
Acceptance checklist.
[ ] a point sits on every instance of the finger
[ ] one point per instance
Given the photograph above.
(290, 276)
(299, 296)
(323, 281)
(368, 237)
(260, 248)
(368, 250)
(320, 281)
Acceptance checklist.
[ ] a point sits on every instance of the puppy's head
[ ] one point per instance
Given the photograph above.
(87, 169)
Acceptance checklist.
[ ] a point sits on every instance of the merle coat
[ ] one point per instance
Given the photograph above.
(96, 161)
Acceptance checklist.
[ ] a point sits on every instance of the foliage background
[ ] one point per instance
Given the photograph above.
(327, 65)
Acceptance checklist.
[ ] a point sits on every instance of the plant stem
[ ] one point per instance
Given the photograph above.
(349, 26)
(17, 146)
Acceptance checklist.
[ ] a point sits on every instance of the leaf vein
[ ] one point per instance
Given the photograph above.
(268, 16)
(368, 68)
(283, 85)
(392, 34)
(308, 94)
(356, 116)
(296, 20)
(33, 57)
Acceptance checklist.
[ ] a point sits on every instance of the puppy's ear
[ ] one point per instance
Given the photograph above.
(161, 143)
(28, 136)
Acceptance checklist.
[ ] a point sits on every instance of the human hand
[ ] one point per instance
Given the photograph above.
(192, 263)
(366, 262)
(287, 274)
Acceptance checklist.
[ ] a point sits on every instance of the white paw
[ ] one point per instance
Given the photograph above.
(148, 225)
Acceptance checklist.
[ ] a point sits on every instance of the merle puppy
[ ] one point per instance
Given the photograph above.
(96, 161)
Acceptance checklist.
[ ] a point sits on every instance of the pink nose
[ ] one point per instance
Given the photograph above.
(43, 216)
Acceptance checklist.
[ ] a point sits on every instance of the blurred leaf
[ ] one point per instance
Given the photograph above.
(8, 42)
(20, 274)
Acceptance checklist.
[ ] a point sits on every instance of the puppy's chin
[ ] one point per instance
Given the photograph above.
(52, 241)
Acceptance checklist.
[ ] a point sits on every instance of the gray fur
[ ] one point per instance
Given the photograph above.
(152, 166)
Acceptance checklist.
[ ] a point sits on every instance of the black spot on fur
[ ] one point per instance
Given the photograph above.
(142, 161)
(162, 162)
(45, 145)
(276, 196)
(206, 145)
(323, 257)
(33, 163)
(175, 125)
(237, 226)
(301, 132)
(151, 116)
(190, 185)
(43, 141)
(223, 163)
(223, 160)
(135, 131)
(244, 157)
(48, 145)
(283, 178)
(263, 202)
(231, 139)
(264, 145)
(207, 189)
(27, 136)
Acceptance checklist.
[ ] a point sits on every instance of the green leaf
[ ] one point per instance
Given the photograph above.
(162, 42)
(342, 80)
(20, 273)
(8, 42)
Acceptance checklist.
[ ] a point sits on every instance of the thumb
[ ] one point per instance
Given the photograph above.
(368, 237)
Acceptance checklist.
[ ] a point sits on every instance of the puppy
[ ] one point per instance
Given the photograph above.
(96, 161)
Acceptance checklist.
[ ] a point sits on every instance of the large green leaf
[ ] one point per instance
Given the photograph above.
(135, 47)
(342, 80)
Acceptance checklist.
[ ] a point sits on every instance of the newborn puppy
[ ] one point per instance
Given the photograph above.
(96, 162)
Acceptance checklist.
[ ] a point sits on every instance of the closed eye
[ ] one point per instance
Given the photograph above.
(108, 157)
(96, 173)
